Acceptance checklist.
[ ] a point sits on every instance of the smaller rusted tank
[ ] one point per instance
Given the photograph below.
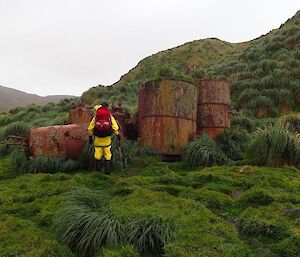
(167, 115)
(213, 106)
(121, 117)
(81, 115)
(65, 142)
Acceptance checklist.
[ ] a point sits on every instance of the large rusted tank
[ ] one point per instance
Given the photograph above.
(167, 115)
(81, 115)
(65, 142)
(213, 106)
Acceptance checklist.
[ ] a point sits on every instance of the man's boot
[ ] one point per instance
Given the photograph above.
(107, 167)
(98, 165)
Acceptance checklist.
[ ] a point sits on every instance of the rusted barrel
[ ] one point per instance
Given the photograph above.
(213, 106)
(81, 116)
(65, 142)
(167, 115)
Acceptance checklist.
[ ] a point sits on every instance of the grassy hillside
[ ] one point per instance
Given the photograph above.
(11, 98)
(271, 63)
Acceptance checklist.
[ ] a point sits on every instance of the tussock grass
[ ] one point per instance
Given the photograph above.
(275, 146)
(262, 102)
(86, 224)
(18, 159)
(290, 122)
(22, 163)
(233, 142)
(247, 95)
(204, 152)
(243, 122)
(149, 234)
(17, 129)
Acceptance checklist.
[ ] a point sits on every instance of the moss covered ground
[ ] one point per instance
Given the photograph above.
(217, 211)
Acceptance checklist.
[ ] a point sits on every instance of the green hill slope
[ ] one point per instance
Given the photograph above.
(271, 62)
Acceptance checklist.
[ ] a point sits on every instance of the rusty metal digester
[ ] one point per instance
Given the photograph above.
(81, 115)
(167, 115)
(65, 142)
(213, 106)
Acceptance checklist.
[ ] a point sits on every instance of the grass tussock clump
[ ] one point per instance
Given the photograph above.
(275, 146)
(23, 164)
(290, 122)
(242, 122)
(204, 152)
(233, 142)
(17, 129)
(262, 107)
(86, 224)
(149, 234)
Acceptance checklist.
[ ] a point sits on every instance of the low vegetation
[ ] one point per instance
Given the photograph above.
(162, 209)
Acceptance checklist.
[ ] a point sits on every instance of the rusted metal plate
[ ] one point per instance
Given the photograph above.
(81, 116)
(213, 91)
(167, 115)
(213, 106)
(65, 142)
(168, 135)
(213, 115)
(212, 132)
(122, 118)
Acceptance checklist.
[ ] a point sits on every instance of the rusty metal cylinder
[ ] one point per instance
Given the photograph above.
(64, 142)
(167, 115)
(213, 106)
(81, 116)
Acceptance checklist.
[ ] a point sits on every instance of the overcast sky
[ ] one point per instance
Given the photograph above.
(67, 46)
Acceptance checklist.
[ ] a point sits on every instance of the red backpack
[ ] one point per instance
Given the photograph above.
(103, 127)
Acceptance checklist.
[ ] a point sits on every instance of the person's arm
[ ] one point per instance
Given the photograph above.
(91, 127)
(114, 126)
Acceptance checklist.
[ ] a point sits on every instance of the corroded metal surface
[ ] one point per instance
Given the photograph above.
(80, 115)
(167, 115)
(58, 141)
(122, 119)
(213, 106)
(213, 91)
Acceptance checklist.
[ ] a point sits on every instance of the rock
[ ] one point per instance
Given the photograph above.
(294, 212)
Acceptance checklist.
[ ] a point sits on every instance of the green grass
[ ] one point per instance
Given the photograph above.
(161, 208)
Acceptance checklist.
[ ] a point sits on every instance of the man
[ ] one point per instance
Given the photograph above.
(102, 126)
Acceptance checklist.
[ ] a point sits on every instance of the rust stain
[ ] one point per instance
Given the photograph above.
(81, 115)
(167, 115)
(65, 142)
(213, 113)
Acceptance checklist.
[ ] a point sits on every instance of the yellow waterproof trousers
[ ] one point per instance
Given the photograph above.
(101, 151)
